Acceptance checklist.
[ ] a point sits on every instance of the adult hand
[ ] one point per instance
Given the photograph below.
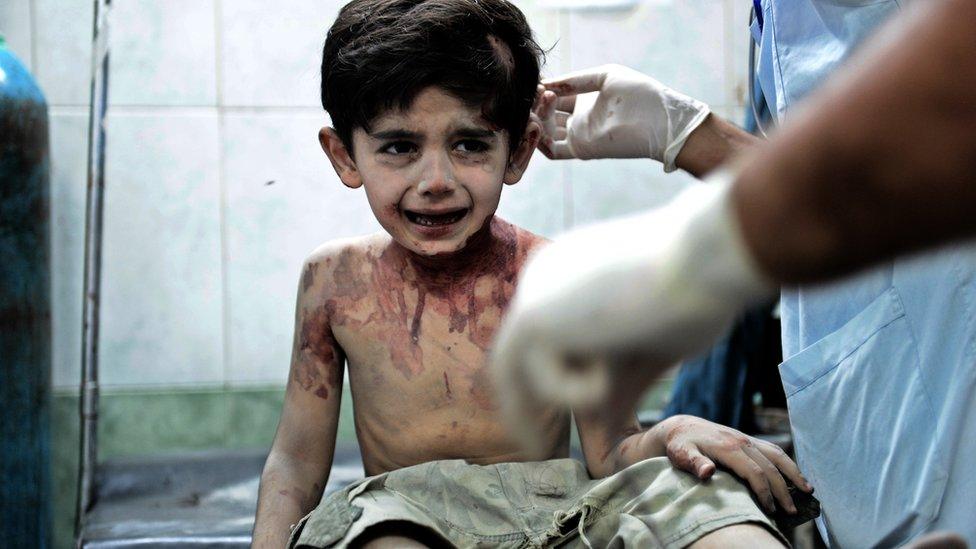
(600, 311)
(615, 112)
(696, 445)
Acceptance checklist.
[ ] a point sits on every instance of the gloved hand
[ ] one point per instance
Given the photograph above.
(602, 310)
(615, 112)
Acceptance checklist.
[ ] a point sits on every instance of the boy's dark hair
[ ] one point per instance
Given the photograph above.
(379, 54)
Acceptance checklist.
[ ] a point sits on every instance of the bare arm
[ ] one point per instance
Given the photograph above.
(608, 440)
(712, 144)
(882, 161)
(298, 465)
(613, 441)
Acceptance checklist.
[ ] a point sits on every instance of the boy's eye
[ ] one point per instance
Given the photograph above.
(398, 148)
(472, 146)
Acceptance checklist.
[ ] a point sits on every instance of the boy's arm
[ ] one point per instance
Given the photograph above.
(298, 465)
(612, 441)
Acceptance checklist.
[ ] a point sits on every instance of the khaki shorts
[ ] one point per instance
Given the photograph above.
(541, 504)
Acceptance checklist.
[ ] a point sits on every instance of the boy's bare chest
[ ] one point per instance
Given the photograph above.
(429, 343)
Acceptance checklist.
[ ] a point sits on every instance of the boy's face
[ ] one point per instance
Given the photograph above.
(433, 173)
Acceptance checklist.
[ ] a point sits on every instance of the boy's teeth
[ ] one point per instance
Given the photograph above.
(435, 220)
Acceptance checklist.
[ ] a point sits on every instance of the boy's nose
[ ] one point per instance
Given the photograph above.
(437, 177)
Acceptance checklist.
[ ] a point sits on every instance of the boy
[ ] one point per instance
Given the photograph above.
(430, 103)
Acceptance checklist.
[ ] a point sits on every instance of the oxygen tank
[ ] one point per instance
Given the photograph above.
(25, 309)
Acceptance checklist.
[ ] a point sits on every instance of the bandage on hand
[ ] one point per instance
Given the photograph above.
(613, 111)
(602, 310)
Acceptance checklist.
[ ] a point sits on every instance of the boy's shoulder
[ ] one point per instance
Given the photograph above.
(332, 250)
(344, 261)
(526, 240)
(342, 257)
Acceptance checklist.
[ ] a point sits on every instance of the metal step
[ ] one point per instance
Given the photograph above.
(195, 500)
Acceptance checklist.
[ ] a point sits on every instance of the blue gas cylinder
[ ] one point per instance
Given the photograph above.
(25, 309)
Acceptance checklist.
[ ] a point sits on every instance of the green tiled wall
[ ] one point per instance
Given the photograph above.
(155, 422)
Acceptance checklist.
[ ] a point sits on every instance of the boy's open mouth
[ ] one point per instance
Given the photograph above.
(436, 219)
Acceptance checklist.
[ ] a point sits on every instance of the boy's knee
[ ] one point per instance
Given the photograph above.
(752, 536)
(392, 542)
(399, 533)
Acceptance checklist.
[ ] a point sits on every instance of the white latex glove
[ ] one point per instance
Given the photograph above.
(602, 310)
(615, 112)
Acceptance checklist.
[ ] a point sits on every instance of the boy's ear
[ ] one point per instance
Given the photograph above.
(342, 161)
(518, 161)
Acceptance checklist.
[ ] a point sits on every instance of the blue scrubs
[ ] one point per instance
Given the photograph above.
(879, 369)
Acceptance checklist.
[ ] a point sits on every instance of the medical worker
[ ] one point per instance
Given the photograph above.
(880, 367)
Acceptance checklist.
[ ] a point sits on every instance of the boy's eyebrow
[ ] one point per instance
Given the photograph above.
(474, 132)
(395, 134)
(466, 131)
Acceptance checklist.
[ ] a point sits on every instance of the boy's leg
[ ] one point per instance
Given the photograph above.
(393, 542)
(653, 504)
(394, 534)
(746, 536)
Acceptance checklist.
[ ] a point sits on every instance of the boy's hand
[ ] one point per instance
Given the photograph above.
(697, 446)
(615, 112)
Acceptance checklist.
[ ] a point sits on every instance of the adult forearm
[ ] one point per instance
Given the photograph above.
(881, 162)
(712, 144)
(288, 492)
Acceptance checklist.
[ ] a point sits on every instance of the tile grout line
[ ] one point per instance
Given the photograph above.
(565, 63)
(222, 208)
(728, 39)
(192, 110)
(32, 25)
(733, 94)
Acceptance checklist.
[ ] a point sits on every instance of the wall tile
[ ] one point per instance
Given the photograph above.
(63, 44)
(69, 161)
(163, 53)
(144, 423)
(253, 415)
(65, 429)
(679, 43)
(15, 26)
(271, 56)
(161, 283)
(608, 188)
(537, 201)
(740, 37)
(547, 25)
(283, 200)
(271, 53)
(736, 114)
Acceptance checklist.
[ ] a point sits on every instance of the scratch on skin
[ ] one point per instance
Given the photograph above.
(447, 385)
(418, 312)
(304, 499)
(623, 444)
